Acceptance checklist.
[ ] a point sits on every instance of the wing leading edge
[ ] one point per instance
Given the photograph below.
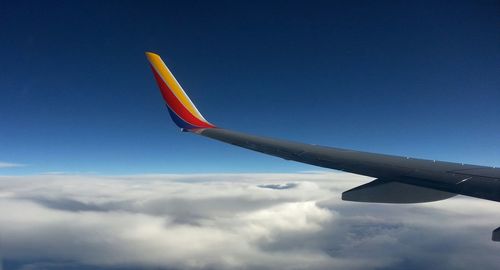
(399, 179)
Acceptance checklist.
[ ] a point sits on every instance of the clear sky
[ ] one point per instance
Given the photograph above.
(416, 79)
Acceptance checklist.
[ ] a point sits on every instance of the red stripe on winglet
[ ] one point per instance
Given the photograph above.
(176, 105)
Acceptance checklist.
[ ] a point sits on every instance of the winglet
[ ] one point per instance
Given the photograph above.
(182, 110)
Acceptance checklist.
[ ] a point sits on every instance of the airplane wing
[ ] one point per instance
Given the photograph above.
(399, 179)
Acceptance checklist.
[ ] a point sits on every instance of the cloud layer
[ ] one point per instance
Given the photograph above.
(233, 221)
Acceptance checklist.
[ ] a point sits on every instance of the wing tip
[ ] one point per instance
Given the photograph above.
(151, 56)
(149, 53)
(182, 111)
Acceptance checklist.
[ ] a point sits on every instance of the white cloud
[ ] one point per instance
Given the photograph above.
(5, 165)
(228, 221)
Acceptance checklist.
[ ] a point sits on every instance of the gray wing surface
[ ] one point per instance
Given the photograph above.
(424, 180)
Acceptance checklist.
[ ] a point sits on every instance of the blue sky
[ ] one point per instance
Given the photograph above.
(415, 79)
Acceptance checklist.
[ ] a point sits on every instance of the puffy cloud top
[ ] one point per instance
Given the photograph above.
(233, 221)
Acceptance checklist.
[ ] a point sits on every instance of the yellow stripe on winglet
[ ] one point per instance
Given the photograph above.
(172, 83)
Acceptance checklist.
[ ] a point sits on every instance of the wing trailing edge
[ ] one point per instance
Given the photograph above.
(387, 191)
